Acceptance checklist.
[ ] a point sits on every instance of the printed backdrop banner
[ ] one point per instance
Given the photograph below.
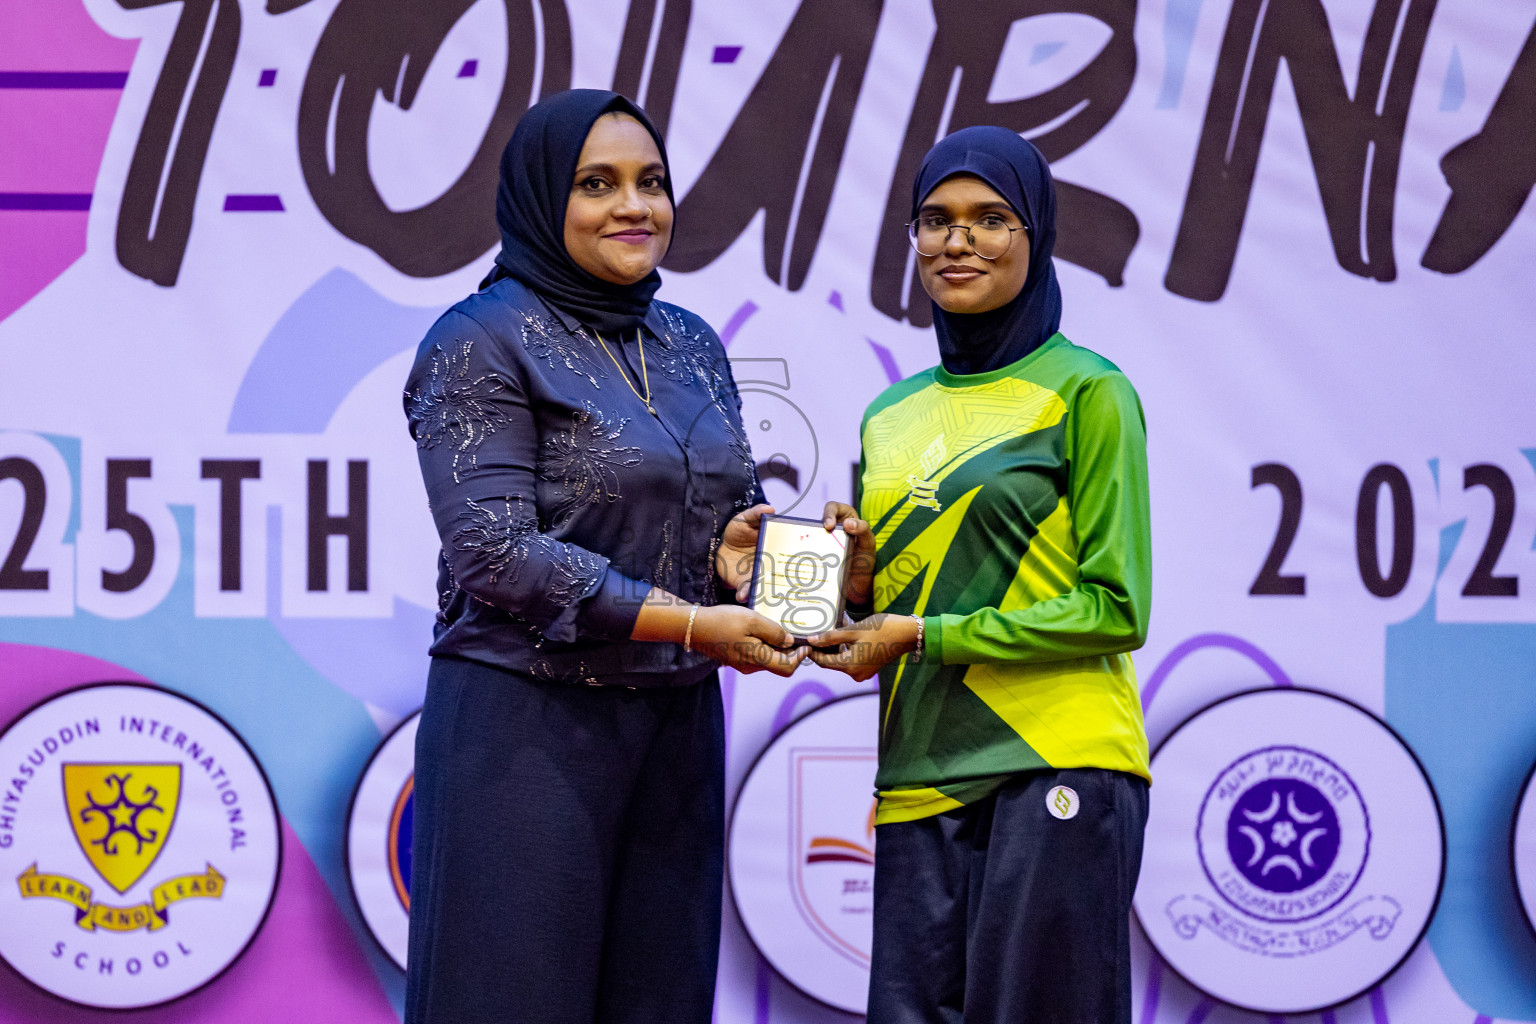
(1300, 227)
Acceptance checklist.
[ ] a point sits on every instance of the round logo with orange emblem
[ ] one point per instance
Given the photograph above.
(139, 846)
(379, 839)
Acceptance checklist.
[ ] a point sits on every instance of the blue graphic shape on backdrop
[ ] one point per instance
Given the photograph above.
(1180, 19)
(1455, 88)
(1044, 52)
(1460, 695)
(333, 336)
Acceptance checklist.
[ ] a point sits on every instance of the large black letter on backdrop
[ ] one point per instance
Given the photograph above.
(360, 54)
(1093, 230)
(1491, 174)
(1356, 143)
(782, 152)
(654, 67)
(151, 245)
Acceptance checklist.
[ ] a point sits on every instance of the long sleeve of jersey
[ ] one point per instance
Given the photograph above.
(1102, 527)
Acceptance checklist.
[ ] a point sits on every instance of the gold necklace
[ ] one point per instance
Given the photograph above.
(645, 375)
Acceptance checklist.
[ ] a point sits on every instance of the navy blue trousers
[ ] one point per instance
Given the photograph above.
(1001, 913)
(567, 851)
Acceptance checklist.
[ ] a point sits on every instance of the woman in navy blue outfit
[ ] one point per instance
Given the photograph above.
(583, 453)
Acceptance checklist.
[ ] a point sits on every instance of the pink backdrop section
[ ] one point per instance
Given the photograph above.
(304, 965)
(54, 137)
(58, 35)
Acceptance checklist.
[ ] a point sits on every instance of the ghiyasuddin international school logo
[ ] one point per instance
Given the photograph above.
(1294, 851)
(139, 843)
(1284, 837)
(121, 815)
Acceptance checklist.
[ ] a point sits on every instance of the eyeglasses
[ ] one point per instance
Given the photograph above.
(988, 238)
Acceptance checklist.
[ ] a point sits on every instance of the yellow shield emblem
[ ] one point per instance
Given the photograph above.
(122, 815)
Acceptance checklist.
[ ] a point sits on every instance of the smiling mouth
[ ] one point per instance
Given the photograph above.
(630, 237)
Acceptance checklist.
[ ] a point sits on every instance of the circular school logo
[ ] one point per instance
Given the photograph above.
(139, 846)
(1284, 834)
(379, 839)
(1263, 881)
(801, 852)
(1523, 848)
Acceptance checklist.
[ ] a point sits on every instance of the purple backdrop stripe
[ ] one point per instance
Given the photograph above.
(253, 203)
(791, 701)
(1379, 1006)
(63, 79)
(835, 300)
(1149, 1001)
(745, 310)
(468, 69)
(1329, 1017)
(1201, 1011)
(268, 78)
(45, 200)
(1232, 643)
(887, 360)
(728, 703)
(762, 1002)
(726, 54)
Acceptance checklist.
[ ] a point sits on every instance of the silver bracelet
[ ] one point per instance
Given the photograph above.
(688, 633)
(917, 652)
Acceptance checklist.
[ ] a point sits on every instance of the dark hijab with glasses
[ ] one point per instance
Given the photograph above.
(1015, 169)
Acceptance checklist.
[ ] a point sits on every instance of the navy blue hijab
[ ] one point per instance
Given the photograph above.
(1015, 169)
(537, 171)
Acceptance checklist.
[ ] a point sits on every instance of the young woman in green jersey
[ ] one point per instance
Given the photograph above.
(1003, 559)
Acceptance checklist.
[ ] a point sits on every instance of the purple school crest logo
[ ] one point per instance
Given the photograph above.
(1293, 858)
(1283, 834)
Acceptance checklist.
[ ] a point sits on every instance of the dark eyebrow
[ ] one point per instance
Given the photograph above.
(990, 206)
(586, 169)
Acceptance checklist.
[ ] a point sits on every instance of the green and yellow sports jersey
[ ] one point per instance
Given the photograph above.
(1010, 512)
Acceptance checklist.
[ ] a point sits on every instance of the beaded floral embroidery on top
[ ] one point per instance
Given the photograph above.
(666, 562)
(544, 339)
(506, 542)
(456, 407)
(584, 460)
(686, 355)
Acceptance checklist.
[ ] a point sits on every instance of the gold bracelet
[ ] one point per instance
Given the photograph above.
(688, 633)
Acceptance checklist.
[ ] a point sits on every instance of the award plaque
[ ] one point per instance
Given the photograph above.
(797, 579)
